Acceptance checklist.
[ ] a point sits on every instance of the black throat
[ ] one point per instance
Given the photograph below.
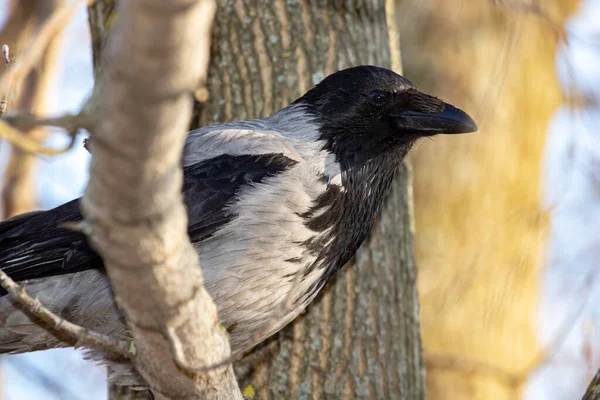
(342, 218)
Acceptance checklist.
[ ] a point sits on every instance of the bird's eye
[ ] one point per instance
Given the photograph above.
(378, 98)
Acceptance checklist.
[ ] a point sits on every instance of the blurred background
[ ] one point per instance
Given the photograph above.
(507, 221)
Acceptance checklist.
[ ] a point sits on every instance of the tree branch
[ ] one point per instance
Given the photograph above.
(593, 390)
(156, 56)
(71, 123)
(27, 143)
(81, 336)
(8, 63)
(49, 30)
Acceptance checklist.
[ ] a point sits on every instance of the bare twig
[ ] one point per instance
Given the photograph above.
(69, 122)
(8, 63)
(6, 55)
(55, 24)
(593, 390)
(25, 143)
(82, 336)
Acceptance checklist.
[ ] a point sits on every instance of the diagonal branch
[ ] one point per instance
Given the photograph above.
(29, 144)
(135, 216)
(593, 390)
(10, 129)
(81, 335)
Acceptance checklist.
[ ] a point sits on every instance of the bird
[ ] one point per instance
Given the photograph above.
(276, 206)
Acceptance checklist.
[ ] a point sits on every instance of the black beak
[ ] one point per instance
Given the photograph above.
(450, 120)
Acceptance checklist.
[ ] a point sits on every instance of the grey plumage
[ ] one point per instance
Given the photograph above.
(276, 206)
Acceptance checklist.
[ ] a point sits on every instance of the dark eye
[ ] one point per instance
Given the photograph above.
(378, 98)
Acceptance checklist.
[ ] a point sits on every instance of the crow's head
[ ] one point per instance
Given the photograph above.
(365, 111)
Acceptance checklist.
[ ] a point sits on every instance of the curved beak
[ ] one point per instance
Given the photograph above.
(450, 120)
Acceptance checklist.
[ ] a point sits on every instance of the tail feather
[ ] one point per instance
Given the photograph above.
(13, 222)
(57, 266)
(35, 245)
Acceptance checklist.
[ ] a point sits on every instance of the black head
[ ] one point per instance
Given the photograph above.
(366, 111)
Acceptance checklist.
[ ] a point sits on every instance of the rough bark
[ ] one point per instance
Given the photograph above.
(24, 20)
(134, 215)
(100, 13)
(360, 339)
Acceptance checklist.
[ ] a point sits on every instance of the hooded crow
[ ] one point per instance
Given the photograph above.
(276, 206)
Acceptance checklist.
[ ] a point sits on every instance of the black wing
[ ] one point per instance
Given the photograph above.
(34, 245)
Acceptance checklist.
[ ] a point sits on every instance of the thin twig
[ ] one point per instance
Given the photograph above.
(8, 62)
(593, 390)
(81, 335)
(10, 130)
(53, 26)
(69, 122)
(26, 143)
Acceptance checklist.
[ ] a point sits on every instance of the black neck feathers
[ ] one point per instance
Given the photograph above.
(342, 218)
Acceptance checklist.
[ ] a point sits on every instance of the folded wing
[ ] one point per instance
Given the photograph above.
(36, 245)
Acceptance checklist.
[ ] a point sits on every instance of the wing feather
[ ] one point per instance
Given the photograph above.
(35, 245)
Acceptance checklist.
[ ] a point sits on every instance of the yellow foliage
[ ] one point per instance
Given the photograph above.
(480, 226)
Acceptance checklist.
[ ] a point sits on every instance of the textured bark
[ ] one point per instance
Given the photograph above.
(360, 339)
(24, 20)
(100, 13)
(135, 218)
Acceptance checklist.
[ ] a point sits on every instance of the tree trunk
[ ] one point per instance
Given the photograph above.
(360, 339)
(481, 226)
(24, 20)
